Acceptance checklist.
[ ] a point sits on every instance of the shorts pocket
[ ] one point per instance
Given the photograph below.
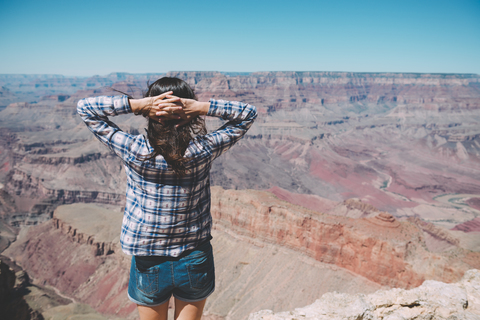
(201, 271)
(147, 279)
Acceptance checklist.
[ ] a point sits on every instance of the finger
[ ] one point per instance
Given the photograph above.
(163, 95)
(169, 110)
(170, 100)
(161, 104)
(174, 109)
(177, 100)
(167, 107)
(168, 115)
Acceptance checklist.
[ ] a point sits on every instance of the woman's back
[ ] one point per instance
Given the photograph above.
(167, 209)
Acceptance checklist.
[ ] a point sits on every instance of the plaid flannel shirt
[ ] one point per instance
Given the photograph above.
(165, 214)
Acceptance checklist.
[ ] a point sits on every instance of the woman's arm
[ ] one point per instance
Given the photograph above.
(239, 117)
(96, 110)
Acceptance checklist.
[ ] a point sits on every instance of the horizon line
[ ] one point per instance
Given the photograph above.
(236, 73)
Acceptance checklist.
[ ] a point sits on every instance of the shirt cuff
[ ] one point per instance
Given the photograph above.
(121, 105)
(216, 107)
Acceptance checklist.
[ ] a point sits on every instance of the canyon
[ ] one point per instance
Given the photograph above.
(275, 244)
(361, 181)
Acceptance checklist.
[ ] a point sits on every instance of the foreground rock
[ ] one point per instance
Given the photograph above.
(432, 300)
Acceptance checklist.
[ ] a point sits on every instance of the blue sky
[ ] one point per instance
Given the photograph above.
(98, 37)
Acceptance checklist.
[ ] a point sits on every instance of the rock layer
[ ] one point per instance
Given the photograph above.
(469, 226)
(388, 252)
(432, 300)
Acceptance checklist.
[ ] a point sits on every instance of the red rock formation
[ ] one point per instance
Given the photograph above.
(394, 141)
(39, 201)
(382, 249)
(99, 248)
(309, 201)
(384, 220)
(469, 226)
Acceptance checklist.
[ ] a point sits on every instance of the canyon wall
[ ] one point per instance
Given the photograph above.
(78, 253)
(381, 248)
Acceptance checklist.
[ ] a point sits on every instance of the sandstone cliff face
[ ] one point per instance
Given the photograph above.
(99, 248)
(381, 248)
(432, 300)
(333, 87)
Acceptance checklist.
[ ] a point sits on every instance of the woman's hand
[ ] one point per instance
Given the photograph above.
(189, 109)
(161, 107)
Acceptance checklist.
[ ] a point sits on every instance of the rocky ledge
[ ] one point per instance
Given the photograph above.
(432, 300)
(75, 221)
(385, 250)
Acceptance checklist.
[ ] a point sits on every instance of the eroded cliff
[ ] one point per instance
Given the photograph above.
(380, 248)
(78, 253)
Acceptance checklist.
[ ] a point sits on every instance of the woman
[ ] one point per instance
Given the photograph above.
(167, 221)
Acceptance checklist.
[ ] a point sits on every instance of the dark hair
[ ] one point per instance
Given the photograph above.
(165, 138)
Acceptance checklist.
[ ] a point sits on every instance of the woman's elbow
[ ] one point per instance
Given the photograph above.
(253, 112)
(81, 106)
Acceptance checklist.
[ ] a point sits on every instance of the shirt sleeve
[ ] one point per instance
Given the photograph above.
(239, 117)
(95, 111)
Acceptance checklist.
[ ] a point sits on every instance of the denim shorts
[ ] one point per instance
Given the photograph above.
(190, 277)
